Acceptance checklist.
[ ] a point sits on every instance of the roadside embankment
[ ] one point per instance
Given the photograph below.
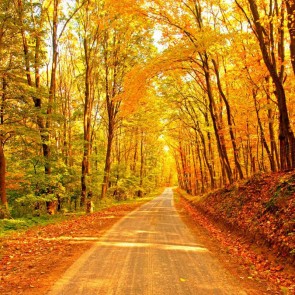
(254, 219)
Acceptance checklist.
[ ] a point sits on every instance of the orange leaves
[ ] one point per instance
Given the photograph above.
(138, 79)
(38, 257)
(262, 209)
(123, 7)
(15, 180)
(258, 266)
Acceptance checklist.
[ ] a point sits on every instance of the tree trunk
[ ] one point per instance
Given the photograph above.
(201, 169)
(51, 205)
(179, 173)
(3, 197)
(290, 4)
(4, 202)
(52, 88)
(37, 101)
(107, 168)
(229, 121)
(262, 135)
(286, 136)
(273, 144)
(86, 126)
(218, 133)
(140, 192)
(207, 161)
(112, 110)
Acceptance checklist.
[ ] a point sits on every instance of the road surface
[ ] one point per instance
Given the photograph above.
(148, 252)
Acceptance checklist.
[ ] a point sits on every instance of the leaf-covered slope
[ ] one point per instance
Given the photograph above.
(261, 207)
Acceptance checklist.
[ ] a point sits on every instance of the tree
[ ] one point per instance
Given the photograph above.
(290, 4)
(90, 33)
(123, 49)
(9, 66)
(266, 38)
(2, 176)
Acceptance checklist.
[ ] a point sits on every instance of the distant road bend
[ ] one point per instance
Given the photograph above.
(148, 252)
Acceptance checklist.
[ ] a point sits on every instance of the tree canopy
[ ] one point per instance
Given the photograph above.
(109, 99)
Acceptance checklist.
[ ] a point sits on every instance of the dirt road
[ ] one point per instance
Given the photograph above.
(150, 251)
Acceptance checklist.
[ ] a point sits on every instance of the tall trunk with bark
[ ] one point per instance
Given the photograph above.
(51, 205)
(262, 135)
(140, 192)
(286, 135)
(37, 100)
(229, 121)
(273, 144)
(107, 167)
(184, 166)
(201, 169)
(205, 155)
(52, 88)
(42, 125)
(210, 152)
(111, 110)
(133, 164)
(88, 103)
(3, 197)
(290, 4)
(216, 124)
(180, 175)
(111, 64)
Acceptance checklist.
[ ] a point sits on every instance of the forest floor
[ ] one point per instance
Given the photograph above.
(32, 261)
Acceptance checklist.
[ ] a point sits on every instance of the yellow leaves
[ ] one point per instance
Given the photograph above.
(137, 80)
(134, 86)
(123, 7)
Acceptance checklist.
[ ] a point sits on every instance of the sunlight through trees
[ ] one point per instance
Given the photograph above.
(110, 99)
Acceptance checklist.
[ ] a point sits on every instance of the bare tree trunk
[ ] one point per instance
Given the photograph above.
(133, 164)
(3, 98)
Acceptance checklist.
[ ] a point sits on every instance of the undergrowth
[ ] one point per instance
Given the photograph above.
(9, 226)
